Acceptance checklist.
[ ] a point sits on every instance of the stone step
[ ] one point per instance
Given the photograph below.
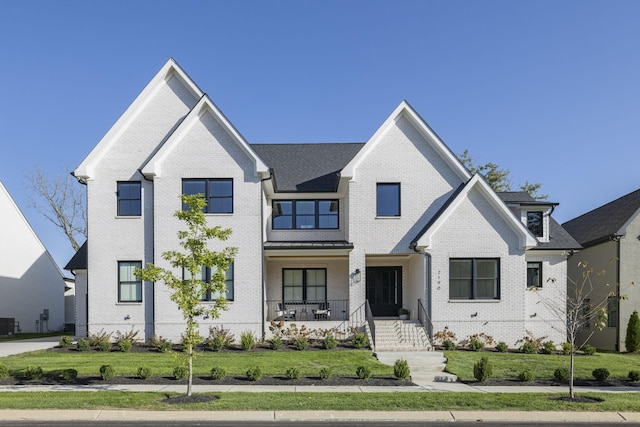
(426, 366)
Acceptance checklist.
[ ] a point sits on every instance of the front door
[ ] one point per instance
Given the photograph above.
(384, 290)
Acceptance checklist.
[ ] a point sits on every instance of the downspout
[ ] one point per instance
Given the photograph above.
(153, 251)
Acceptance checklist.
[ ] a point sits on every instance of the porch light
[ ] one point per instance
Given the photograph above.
(357, 276)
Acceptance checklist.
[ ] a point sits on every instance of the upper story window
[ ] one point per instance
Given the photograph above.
(535, 224)
(534, 275)
(129, 286)
(217, 191)
(305, 214)
(206, 276)
(474, 278)
(388, 199)
(129, 198)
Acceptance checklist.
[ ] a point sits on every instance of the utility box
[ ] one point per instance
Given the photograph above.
(7, 326)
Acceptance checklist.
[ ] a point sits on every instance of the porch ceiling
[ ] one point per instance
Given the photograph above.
(316, 248)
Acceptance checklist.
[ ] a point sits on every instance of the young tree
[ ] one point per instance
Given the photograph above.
(62, 201)
(189, 290)
(632, 340)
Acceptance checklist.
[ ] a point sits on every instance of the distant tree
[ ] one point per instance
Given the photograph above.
(61, 200)
(632, 340)
(498, 178)
(189, 291)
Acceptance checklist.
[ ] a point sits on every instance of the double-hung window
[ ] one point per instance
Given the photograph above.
(304, 285)
(206, 275)
(534, 275)
(474, 278)
(388, 199)
(129, 198)
(129, 286)
(305, 214)
(218, 192)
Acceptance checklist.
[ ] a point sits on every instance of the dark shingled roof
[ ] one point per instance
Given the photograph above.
(309, 245)
(79, 260)
(602, 223)
(309, 168)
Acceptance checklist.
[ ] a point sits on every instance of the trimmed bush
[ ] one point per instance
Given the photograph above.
(275, 343)
(360, 340)
(529, 348)
(502, 347)
(83, 345)
(634, 376)
(526, 376)
(561, 374)
(65, 341)
(401, 369)
(69, 374)
(292, 373)
(589, 350)
(164, 345)
(125, 345)
(548, 347)
(107, 372)
(325, 373)
(247, 340)
(4, 371)
(216, 343)
(363, 372)
(301, 343)
(482, 370)
(329, 342)
(566, 348)
(600, 374)
(180, 372)
(144, 372)
(104, 346)
(254, 374)
(475, 344)
(217, 373)
(448, 345)
(33, 372)
(632, 340)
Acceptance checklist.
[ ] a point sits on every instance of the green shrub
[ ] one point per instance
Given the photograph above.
(33, 372)
(329, 342)
(83, 345)
(107, 372)
(401, 369)
(247, 340)
(502, 347)
(634, 376)
(632, 340)
(216, 343)
(125, 345)
(217, 373)
(4, 371)
(275, 343)
(482, 370)
(180, 372)
(292, 373)
(448, 345)
(600, 374)
(254, 374)
(475, 344)
(566, 348)
(526, 376)
(104, 346)
(561, 374)
(363, 372)
(65, 341)
(548, 347)
(223, 337)
(360, 340)
(164, 345)
(589, 350)
(325, 373)
(529, 348)
(301, 343)
(144, 372)
(69, 374)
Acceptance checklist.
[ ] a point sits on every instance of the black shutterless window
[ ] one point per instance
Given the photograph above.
(129, 198)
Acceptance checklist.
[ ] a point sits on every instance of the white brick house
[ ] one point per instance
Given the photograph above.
(322, 230)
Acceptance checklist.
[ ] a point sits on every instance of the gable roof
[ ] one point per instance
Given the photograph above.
(605, 222)
(308, 168)
(85, 170)
(424, 236)
(79, 259)
(405, 110)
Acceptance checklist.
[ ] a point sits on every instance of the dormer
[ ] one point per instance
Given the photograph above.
(534, 214)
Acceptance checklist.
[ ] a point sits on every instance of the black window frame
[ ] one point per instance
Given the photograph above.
(382, 207)
(137, 282)
(294, 215)
(613, 306)
(229, 282)
(305, 299)
(474, 279)
(535, 223)
(539, 268)
(209, 197)
(125, 196)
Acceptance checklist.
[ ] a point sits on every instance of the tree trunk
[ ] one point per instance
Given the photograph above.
(190, 381)
(571, 392)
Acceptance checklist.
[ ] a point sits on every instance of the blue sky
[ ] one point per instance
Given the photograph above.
(547, 89)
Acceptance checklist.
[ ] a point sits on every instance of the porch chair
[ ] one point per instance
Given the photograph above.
(322, 312)
(284, 314)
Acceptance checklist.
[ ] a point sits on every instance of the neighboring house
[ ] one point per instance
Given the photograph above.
(610, 236)
(31, 284)
(333, 235)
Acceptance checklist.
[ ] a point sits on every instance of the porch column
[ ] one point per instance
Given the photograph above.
(357, 290)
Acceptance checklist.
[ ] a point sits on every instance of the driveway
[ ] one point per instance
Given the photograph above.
(8, 348)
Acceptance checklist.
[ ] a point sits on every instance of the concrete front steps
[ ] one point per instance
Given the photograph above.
(400, 335)
(426, 367)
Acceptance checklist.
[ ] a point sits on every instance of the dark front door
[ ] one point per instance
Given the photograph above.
(384, 290)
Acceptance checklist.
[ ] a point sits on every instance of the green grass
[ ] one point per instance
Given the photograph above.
(342, 363)
(509, 365)
(426, 401)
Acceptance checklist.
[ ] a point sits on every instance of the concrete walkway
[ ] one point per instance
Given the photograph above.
(9, 348)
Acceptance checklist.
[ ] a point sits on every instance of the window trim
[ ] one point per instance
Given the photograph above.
(474, 278)
(539, 285)
(304, 299)
(206, 194)
(137, 281)
(399, 201)
(119, 199)
(316, 215)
